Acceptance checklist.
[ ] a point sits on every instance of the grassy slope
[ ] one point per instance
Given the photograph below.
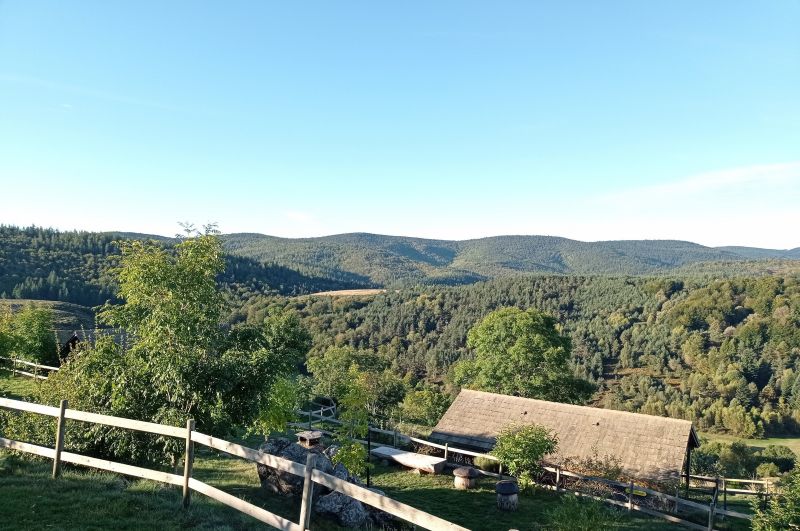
(792, 442)
(87, 499)
(16, 387)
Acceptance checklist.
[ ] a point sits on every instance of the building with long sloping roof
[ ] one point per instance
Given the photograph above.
(645, 446)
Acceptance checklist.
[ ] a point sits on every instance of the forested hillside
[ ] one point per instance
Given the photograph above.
(38, 263)
(722, 353)
(393, 260)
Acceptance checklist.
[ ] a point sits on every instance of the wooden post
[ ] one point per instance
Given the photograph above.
(711, 510)
(630, 497)
(558, 478)
(188, 461)
(395, 438)
(677, 494)
(60, 428)
(309, 419)
(724, 494)
(446, 450)
(308, 492)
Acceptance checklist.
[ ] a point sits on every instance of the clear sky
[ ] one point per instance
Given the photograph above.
(590, 120)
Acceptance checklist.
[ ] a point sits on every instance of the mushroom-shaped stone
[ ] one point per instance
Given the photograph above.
(507, 495)
(465, 477)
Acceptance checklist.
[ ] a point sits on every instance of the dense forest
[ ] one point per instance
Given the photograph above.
(393, 261)
(37, 263)
(722, 353)
(720, 350)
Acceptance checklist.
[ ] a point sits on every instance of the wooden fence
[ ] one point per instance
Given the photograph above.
(561, 477)
(189, 484)
(16, 366)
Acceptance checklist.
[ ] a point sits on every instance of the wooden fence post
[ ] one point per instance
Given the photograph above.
(677, 494)
(308, 492)
(446, 450)
(309, 418)
(724, 494)
(188, 461)
(395, 438)
(630, 498)
(711, 510)
(558, 478)
(60, 428)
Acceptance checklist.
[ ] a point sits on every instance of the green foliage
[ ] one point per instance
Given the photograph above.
(521, 353)
(521, 448)
(783, 510)
(782, 456)
(179, 361)
(424, 406)
(582, 514)
(28, 334)
(353, 456)
(767, 470)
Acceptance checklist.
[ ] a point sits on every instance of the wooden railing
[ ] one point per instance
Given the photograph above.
(560, 480)
(189, 484)
(15, 363)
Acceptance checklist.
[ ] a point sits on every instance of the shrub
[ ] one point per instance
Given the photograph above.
(767, 470)
(521, 448)
(574, 514)
(484, 463)
(783, 457)
(783, 510)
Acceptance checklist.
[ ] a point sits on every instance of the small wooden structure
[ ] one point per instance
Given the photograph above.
(465, 478)
(423, 463)
(507, 495)
(309, 439)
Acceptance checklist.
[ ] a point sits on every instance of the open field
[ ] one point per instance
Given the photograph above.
(348, 293)
(792, 442)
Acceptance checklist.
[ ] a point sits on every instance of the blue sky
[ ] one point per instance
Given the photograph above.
(590, 120)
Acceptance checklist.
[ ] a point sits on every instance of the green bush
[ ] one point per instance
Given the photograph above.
(521, 448)
(783, 510)
(581, 514)
(489, 465)
(767, 470)
(782, 456)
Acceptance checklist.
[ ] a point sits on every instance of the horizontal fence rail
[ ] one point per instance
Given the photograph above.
(710, 509)
(384, 503)
(15, 364)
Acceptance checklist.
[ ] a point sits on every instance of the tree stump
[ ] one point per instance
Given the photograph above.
(465, 478)
(507, 495)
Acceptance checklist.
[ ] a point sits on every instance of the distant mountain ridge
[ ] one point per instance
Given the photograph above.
(381, 260)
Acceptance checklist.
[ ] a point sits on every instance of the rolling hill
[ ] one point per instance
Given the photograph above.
(390, 260)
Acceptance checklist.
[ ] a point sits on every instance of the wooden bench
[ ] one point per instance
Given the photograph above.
(424, 463)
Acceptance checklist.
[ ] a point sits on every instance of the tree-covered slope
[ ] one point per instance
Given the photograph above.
(392, 260)
(724, 353)
(37, 263)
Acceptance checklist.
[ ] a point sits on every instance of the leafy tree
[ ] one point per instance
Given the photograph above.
(28, 334)
(783, 510)
(521, 448)
(424, 406)
(179, 361)
(521, 353)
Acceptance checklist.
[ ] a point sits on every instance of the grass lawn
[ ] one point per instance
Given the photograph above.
(16, 387)
(792, 442)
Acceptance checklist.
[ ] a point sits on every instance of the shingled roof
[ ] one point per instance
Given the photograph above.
(647, 446)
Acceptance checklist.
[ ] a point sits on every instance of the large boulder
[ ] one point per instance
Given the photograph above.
(347, 511)
(284, 482)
